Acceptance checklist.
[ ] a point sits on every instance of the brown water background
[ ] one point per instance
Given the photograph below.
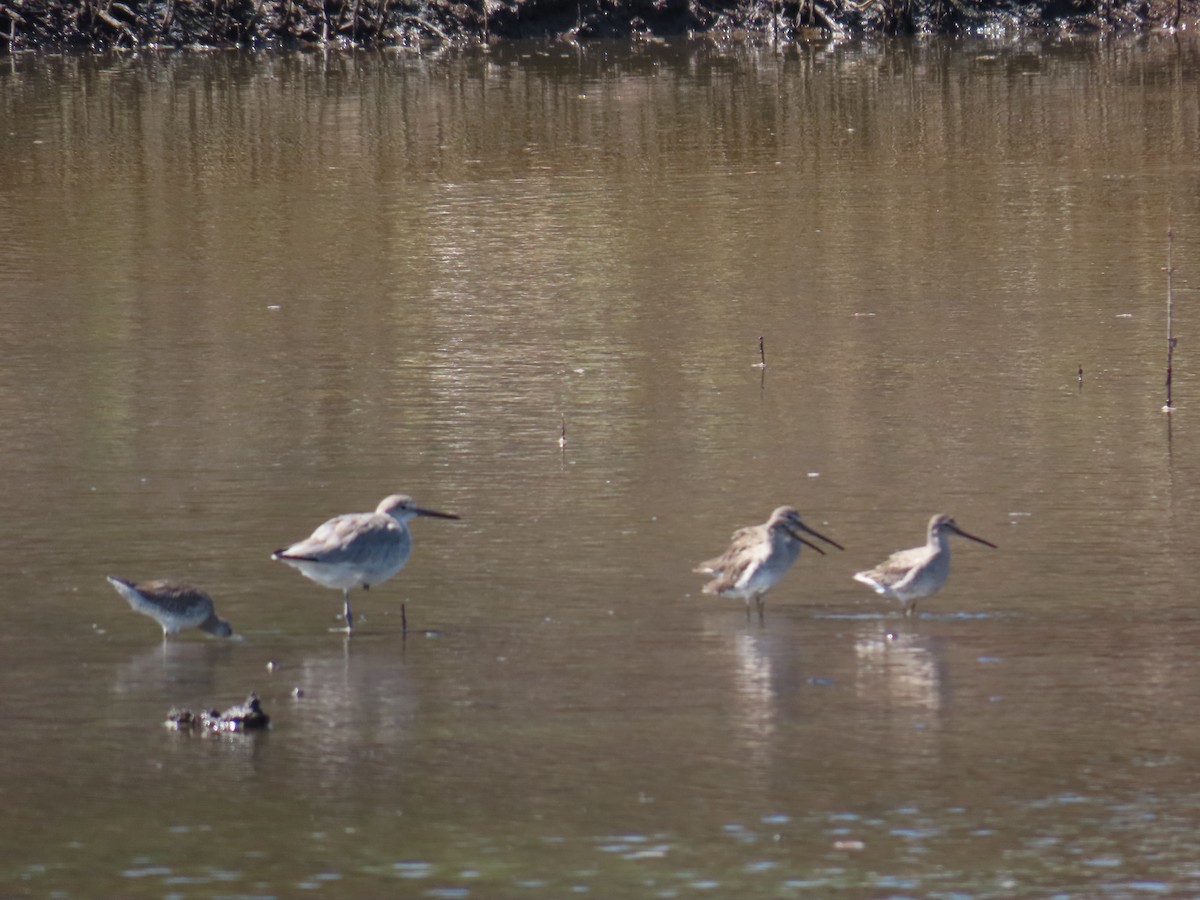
(242, 294)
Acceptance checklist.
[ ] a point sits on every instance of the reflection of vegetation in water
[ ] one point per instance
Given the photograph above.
(365, 23)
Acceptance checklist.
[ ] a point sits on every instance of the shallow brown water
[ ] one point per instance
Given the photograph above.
(243, 294)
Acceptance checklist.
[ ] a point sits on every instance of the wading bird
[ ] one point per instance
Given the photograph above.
(359, 549)
(909, 575)
(173, 605)
(758, 556)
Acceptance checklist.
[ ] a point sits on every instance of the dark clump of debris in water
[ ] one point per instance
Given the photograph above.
(246, 716)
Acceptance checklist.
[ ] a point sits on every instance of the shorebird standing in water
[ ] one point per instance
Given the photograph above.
(909, 575)
(758, 556)
(173, 605)
(359, 549)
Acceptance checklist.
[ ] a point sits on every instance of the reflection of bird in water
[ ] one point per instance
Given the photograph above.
(173, 605)
(189, 665)
(900, 669)
(359, 549)
(909, 575)
(759, 556)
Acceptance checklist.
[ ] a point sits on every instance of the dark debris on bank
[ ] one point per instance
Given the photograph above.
(99, 24)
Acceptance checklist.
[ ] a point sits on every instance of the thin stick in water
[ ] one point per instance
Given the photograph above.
(1171, 339)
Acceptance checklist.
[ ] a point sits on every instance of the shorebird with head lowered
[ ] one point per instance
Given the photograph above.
(910, 575)
(173, 605)
(758, 556)
(359, 549)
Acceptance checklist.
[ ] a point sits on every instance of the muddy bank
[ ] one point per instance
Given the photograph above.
(32, 24)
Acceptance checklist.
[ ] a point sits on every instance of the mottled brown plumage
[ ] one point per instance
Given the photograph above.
(910, 575)
(758, 556)
(173, 604)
